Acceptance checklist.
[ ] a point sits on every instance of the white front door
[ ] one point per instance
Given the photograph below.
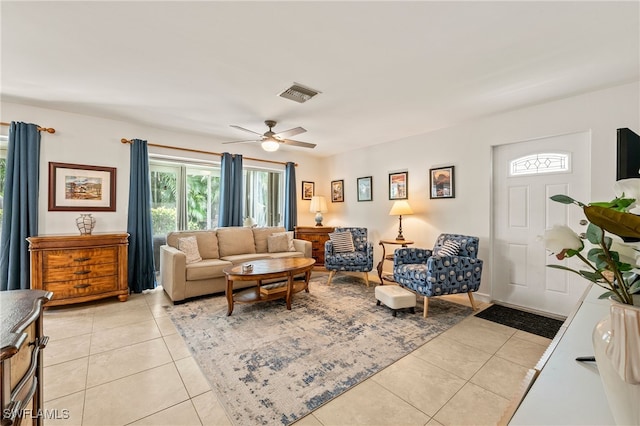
(525, 175)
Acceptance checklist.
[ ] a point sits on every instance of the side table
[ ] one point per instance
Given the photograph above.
(402, 243)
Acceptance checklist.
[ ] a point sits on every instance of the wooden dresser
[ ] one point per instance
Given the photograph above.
(21, 373)
(80, 268)
(318, 235)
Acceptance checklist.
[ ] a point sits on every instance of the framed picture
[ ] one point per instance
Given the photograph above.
(76, 187)
(364, 189)
(398, 186)
(441, 182)
(308, 189)
(337, 191)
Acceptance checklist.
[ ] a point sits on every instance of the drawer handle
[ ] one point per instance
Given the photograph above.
(40, 342)
(82, 285)
(82, 272)
(82, 259)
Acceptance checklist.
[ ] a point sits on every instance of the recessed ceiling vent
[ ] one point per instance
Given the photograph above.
(298, 93)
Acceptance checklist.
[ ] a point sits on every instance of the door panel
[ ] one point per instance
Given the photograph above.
(523, 211)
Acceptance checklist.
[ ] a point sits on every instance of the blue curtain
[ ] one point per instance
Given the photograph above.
(290, 207)
(230, 190)
(20, 216)
(140, 266)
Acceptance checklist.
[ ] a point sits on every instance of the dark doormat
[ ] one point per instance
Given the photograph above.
(525, 321)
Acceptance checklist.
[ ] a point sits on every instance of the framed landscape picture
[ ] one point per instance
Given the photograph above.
(77, 187)
(337, 191)
(365, 189)
(308, 189)
(398, 186)
(441, 182)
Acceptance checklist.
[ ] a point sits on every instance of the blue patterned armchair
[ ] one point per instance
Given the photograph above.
(436, 272)
(359, 260)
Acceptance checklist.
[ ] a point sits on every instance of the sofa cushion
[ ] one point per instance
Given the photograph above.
(189, 246)
(206, 269)
(260, 236)
(277, 243)
(449, 248)
(207, 242)
(285, 254)
(239, 258)
(289, 235)
(235, 240)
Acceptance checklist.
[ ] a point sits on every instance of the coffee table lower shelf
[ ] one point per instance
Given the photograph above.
(253, 294)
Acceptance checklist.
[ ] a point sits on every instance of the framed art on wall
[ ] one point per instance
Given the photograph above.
(308, 190)
(398, 186)
(77, 187)
(365, 188)
(441, 182)
(337, 191)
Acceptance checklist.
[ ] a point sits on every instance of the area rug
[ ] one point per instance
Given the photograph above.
(525, 321)
(273, 366)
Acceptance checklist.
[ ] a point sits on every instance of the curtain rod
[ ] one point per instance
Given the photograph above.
(40, 129)
(123, 140)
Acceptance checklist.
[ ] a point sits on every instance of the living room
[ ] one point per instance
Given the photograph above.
(604, 96)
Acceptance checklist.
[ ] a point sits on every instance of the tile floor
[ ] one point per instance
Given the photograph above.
(112, 363)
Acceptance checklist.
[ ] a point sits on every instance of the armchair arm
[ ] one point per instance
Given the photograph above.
(173, 272)
(328, 248)
(460, 272)
(408, 255)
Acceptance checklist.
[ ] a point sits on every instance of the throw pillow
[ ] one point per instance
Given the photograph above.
(277, 243)
(289, 234)
(189, 245)
(342, 242)
(449, 248)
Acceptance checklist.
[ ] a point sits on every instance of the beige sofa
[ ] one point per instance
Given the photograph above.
(218, 248)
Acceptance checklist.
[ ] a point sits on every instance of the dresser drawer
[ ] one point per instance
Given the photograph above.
(78, 272)
(21, 361)
(79, 288)
(66, 258)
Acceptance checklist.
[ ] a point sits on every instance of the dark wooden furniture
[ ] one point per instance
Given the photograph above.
(80, 268)
(318, 235)
(402, 243)
(21, 373)
(267, 269)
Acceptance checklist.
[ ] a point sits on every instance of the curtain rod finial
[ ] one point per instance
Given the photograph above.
(123, 140)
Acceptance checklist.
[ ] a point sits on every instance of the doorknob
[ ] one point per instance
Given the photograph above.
(584, 222)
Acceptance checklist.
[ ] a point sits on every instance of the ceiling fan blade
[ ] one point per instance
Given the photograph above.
(289, 133)
(246, 140)
(298, 143)
(245, 130)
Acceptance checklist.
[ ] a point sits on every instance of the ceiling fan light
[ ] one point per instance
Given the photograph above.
(270, 145)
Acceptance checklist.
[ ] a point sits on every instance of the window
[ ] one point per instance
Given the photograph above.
(4, 142)
(187, 195)
(539, 163)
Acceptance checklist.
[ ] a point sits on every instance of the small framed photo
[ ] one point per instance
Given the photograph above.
(337, 191)
(398, 186)
(365, 189)
(308, 190)
(441, 182)
(77, 187)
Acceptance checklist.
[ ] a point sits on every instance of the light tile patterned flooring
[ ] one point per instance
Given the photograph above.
(113, 363)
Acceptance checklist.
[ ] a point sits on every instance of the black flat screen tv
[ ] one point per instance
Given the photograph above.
(628, 157)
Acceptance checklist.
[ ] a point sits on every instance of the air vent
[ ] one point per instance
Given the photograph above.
(298, 93)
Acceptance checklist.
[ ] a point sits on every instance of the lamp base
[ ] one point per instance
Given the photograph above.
(319, 219)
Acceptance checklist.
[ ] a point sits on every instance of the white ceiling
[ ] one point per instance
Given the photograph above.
(386, 70)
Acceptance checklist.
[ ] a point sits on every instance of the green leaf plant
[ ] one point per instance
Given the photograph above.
(604, 266)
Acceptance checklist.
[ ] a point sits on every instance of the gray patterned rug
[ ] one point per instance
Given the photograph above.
(273, 366)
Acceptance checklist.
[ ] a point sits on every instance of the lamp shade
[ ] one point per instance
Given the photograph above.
(400, 208)
(318, 204)
(270, 145)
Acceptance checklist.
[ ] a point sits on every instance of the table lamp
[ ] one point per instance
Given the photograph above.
(398, 209)
(318, 206)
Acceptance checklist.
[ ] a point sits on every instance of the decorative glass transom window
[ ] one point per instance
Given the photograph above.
(539, 163)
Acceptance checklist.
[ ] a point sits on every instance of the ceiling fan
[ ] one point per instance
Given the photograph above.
(271, 141)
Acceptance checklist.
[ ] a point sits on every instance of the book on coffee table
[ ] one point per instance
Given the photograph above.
(274, 288)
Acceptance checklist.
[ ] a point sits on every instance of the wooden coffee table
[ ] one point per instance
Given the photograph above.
(264, 270)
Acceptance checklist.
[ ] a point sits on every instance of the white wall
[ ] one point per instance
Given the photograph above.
(90, 140)
(82, 139)
(468, 147)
